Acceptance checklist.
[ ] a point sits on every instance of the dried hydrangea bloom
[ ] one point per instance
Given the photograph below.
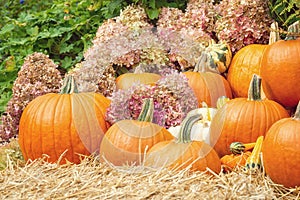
(184, 34)
(127, 104)
(183, 50)
(201, 14)
(177, 84)
(173, 99)
(91, 77)
(243, 22)
(134, 16)
(38, 76)
(121, 43)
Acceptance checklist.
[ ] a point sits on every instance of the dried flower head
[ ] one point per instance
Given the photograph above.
(38, 76)
(171, 95)
(243, 22)
(93, 77)
(134, 16)
(184, 34)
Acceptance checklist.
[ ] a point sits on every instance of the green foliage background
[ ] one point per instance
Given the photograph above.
(64, 29)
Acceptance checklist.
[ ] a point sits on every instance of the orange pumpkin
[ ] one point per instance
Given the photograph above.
(54, 123)
(245, 63)
(280, 72)
(244, 119)
(126, 80)
(281, 151)
(183, 152)
(126, 141)
(208, 87)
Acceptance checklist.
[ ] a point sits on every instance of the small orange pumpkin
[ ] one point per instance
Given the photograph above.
(244, 119)
(183, 152)
(281, 151)
(126, 141)
(208, 87)
(54, 123)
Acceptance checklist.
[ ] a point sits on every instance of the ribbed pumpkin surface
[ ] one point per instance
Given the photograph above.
(281, 149)
(245, 63)
(280, 72)
(243, 120)
(126, 141)
(54, 123)
(177, 156)
(208, 87)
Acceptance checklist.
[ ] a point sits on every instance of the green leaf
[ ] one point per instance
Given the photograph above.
(152, 4)
(67, 63)
(152, 13)
(32, 31)
(64, 48)
(7, 28)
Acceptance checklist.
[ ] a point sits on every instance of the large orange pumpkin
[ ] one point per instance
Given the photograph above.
(244, 119)
(126, 80)
(245, 63)
(208, 87)
(126, 141)
(54, 123)
(280, 71)
(183, 152)
(281, 149)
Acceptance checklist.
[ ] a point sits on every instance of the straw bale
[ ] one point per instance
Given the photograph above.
(95, 180)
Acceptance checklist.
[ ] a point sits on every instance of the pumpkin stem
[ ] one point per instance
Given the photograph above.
(254, 92)
(186, 128)
(146, 113)
(293, 31)
(297, 113)
(69, 85)
(274, 34)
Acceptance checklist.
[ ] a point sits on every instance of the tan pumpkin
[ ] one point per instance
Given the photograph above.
(125, 81)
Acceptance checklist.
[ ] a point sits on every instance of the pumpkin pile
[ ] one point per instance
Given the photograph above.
(215, 115)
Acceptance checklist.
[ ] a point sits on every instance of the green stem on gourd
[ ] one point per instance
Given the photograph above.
(254, 92)
(146, 113)
(69, 86)
(297, 113)
(186, 128)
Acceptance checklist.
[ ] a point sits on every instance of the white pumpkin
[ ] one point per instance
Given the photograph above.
(200, 130)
